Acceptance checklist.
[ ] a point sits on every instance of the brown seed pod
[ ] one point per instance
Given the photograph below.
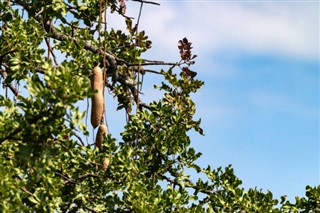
(101, 134)
(105, 164)
(97, 98)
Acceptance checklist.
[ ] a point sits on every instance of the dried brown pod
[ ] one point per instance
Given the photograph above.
(97, 98)
(105, 164)
(189, 72)
(101, 134)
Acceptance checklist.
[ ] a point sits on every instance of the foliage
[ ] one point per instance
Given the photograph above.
(45, 165)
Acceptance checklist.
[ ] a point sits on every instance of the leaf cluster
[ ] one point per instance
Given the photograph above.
(47, 160)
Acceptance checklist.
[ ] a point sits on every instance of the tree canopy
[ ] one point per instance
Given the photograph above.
(49, 159)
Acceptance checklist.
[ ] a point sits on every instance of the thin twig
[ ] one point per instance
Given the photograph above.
(190, 185)
(88, 175)
(143, 71)
(68, 180)
(79, 138)
(154, 63)
(28, 192)
(139, 16)
(39, 12)
(50, 49)
(90, 209)
(105, 74)
(112, 60)
(77, 27)
(147, 2)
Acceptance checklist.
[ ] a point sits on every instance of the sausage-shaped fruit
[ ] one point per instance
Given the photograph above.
(97, 98)
(101, 134)
(105, 164)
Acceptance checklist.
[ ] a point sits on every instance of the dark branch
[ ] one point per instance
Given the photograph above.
(88, 175)
(49, 28)
(152, 63)
(147, 2)
(130, 83)
(50, 50)
(73, 181)
(79, 138)
(3, 74)
(65, 178)
(190, 185)
(31, 121)
(90, 209)
(112, 60)
(143, 71)
(16, 131)
(26, 191)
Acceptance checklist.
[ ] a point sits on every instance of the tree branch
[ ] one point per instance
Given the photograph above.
(147, 2)
(111, 59)
(73, 181)
(3, 74)
(90, 209)
(151, 71)
(78, 137)
(31, 121)
(26, 191)
(50, 29)
(65, 178)
(152, 63)
(190, 185)
(88, 175)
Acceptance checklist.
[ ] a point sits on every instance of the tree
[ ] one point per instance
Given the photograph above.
(46, 164)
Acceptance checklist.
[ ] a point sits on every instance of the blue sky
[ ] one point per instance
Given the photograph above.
(260, 102)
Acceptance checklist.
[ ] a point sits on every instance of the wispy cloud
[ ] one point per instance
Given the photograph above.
(281, 29)
(289, 29)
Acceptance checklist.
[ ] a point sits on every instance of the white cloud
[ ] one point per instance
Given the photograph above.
(282, 29)
(289, 29)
